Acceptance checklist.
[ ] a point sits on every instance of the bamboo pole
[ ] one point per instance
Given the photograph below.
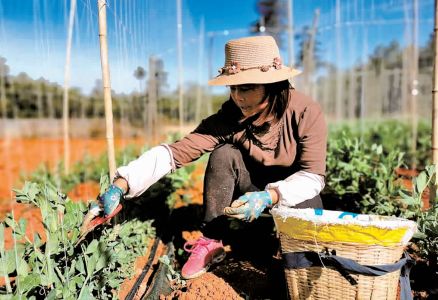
(210, 73)
(414, 85)
(65, 104)
(339, 94)
(3, 99)
(152, 94)
(106, 87)
(363, 83)
(180, 63)
(435, 103)
(200, 69)
(290, 33)
(308, 60)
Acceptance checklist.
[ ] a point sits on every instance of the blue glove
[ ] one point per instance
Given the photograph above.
(110, 199)
(249, 206)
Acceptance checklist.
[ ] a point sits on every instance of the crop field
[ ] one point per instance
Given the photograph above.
(87, 86)
(366, 172)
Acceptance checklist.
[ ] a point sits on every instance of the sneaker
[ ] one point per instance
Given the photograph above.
(204, 252)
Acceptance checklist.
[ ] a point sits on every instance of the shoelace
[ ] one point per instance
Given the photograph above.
(196, 246)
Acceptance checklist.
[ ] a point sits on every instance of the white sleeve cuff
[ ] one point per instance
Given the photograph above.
(146, 170)
(297, 188)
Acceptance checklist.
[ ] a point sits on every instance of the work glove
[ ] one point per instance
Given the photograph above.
(249, 206)
(107, 202)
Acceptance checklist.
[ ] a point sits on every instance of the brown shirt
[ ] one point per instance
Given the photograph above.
(298, 139)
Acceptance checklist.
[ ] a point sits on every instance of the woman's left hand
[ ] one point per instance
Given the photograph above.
(249, 206)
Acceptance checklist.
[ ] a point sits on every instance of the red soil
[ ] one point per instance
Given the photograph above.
(84, 191)
(208, 286)
(34, 223)
(25, 155)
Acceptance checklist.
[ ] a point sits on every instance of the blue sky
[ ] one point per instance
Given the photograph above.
(33, 34)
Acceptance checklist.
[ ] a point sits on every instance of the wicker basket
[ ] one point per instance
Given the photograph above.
(328, 283)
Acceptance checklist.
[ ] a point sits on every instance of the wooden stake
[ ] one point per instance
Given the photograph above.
(308, 59)
(180, 63)
(435, 103)
(101, 5)
(65, 104)
(339, 95)
(414, 85)
(199, 95)
(290, 33)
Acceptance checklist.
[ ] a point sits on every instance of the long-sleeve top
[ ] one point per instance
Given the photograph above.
(298, 140)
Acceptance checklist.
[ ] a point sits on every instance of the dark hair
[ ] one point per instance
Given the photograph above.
(278, 97)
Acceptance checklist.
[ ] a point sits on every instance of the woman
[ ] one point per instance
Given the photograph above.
(267, 144)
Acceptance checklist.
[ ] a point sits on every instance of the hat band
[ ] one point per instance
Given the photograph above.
(235, 67)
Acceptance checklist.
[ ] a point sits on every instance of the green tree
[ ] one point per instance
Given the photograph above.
(140, 74)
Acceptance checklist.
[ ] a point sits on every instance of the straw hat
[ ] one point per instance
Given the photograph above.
(252, 60)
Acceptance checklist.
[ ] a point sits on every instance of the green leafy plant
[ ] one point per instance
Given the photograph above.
(174, 277)
(390, 134)
(50, 266)
(360, 177)
(180, 178)
(427, 236)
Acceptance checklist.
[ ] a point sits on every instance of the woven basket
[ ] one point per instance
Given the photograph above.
(327, 283)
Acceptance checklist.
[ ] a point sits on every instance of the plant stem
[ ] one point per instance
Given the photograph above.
(16, 255)
(7, 282)
(83, 285)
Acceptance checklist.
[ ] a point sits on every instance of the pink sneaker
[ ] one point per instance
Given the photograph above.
(204, 253)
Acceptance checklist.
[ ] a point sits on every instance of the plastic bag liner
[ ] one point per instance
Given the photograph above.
(336, 226)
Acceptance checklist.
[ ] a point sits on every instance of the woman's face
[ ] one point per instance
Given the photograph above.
(250, 98)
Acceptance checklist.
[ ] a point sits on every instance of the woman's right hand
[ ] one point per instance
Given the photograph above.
(108, 202)
(110, 199)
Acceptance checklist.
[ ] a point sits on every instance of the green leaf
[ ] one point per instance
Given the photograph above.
(80, 265)
(53, 244)
(86, 293)
(9, 261)
(22, 226)
(407, 199)
(75, 282)
(90, 264)
(2, 237)
(102, 262)
(419, 235)
(23, 268)
(10, 222)
(30, 281)
(51, 295)
(92, 247)
(420, 182)
(104, 182)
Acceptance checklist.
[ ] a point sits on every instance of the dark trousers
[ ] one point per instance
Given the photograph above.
(230, 174)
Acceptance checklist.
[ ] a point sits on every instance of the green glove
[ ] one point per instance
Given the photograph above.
(249, 206)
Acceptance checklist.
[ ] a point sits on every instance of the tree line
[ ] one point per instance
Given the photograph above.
(380, 87)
